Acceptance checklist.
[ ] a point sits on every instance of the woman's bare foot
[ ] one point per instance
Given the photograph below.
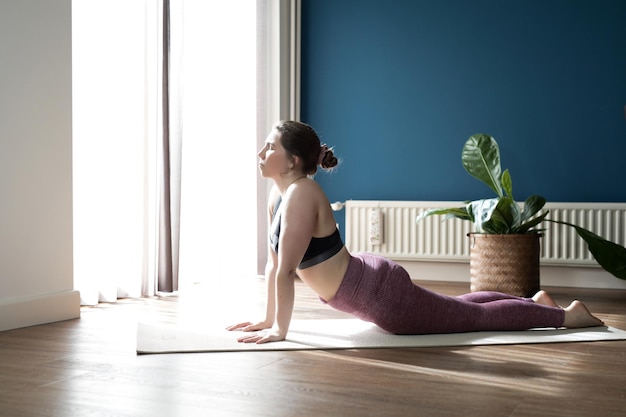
(544, 298)
(577, 315)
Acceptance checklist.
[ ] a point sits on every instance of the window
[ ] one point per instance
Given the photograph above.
(115, 82)
(219, 167)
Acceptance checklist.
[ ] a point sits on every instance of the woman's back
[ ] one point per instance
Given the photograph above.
(304, 203)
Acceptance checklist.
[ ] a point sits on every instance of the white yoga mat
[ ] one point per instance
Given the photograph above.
(347, 334)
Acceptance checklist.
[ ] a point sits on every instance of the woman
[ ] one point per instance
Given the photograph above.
(304, 239)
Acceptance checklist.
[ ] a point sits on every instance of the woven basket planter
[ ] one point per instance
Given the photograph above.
(505, 263)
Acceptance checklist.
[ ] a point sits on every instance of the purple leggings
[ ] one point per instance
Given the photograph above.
(378, 290)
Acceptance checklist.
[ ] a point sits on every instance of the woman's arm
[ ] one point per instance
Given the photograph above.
(270, 285)
(298, 220)
(299, 217)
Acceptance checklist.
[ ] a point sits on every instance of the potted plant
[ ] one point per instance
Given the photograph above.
(505, 241)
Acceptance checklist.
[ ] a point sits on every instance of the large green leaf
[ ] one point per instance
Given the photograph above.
(459, 213)
(507, 183)
(481, 159)
(511, 212)
(526, 226)
(496, 225)
(498, 215)
(532, 206)
(482, 211)
(610, 256)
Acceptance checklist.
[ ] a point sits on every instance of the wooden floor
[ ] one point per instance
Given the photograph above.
(88, 367)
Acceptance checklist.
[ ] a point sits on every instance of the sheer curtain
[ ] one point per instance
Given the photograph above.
(170, 141)
(233, 84)
(218, 214)
(114, 77)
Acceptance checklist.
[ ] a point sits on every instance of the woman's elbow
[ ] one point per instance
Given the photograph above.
(270, 269)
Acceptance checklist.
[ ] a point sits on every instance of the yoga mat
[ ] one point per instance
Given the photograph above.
(346, 334)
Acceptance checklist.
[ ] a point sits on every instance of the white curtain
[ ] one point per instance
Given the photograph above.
(218, 216)
(235, 85)
(114, 47)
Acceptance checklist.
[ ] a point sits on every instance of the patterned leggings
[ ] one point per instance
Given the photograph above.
(378, 290)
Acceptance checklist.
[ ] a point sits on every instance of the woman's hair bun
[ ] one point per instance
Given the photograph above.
(329, 160)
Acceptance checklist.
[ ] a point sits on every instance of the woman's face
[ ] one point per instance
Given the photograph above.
(273, 158)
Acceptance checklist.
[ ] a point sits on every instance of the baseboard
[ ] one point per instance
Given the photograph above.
(41, 309)
(553, 276)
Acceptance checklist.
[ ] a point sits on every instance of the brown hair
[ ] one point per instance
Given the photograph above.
(299, 139)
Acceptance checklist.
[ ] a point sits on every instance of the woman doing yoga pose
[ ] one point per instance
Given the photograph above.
(304, 239)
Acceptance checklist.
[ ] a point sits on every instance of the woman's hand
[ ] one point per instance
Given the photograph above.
(249, 326)
(262, 337)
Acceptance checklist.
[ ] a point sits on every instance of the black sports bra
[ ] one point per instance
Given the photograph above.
(320, 248)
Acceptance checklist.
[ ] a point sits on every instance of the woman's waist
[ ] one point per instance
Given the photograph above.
(325, 278)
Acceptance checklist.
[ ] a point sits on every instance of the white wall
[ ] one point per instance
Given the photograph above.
(36, 284)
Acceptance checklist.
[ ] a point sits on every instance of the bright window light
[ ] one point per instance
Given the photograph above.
(114, 93)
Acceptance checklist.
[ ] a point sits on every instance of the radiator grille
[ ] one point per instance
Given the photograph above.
(436, 239)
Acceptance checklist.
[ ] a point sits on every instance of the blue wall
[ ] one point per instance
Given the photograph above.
(398, 86)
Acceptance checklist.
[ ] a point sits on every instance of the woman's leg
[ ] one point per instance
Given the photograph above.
(544, 298)
(381, 291)
(486, 296)
(436, 313)
(541, 297)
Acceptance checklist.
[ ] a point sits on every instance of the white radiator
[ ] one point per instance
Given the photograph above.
(389, 228)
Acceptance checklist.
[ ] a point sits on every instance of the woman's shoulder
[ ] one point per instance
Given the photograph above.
(305, 187)
(306, 192)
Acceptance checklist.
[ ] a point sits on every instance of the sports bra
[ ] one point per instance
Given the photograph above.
(320, 248)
